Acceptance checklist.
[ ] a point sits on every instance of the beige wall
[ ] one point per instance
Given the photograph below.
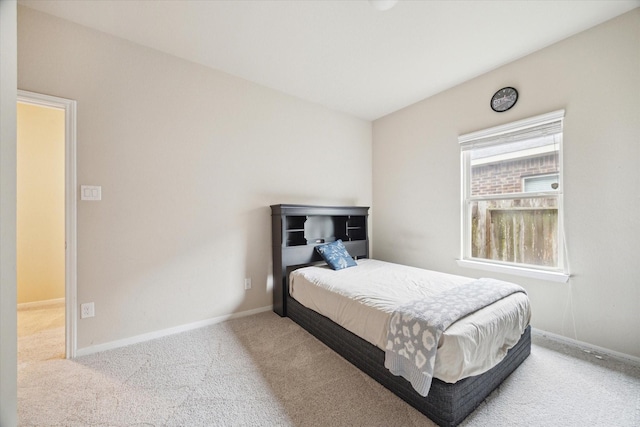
(40, 204)
(595, 77)
(189, 160)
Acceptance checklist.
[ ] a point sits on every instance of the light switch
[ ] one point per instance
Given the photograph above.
(90, 192)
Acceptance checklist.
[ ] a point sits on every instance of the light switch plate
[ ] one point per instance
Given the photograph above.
(90, 192)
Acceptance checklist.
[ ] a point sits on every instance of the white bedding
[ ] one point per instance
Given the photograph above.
(361, 299)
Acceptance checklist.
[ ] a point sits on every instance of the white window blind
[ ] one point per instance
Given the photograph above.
(499, 135)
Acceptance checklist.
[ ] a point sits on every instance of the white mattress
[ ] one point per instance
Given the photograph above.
(361, 299)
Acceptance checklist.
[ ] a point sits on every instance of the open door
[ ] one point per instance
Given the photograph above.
(51, 108)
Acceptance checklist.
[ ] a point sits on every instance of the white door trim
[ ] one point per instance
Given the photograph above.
(71, 269)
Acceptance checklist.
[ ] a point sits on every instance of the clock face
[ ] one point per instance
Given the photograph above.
(504, 99)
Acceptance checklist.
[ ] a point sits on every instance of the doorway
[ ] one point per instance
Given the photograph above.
(46, 217)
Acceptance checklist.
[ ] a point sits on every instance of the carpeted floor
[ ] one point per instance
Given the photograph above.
(264, 370)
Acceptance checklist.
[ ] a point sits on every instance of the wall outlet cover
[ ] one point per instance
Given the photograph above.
(87, 310)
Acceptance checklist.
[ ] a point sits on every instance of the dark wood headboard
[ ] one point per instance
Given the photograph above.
(297, 229)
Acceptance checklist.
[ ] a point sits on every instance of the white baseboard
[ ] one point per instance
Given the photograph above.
(588, 348)
(36, 304)
(165, 332)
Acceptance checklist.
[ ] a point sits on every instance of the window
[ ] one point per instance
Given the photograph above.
(539, 182)
(512, 198)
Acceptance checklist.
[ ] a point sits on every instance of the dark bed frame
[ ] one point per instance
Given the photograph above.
(446, 404)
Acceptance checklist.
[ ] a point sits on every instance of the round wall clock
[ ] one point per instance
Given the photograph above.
(504, 99)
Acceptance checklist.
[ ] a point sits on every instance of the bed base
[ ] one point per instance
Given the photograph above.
(447, 404)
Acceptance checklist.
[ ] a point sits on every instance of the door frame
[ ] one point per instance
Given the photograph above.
(70, 210)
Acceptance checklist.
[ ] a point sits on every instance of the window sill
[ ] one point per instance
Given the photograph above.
(551, 276)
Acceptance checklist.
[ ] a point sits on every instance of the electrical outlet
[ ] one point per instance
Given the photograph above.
(247, 283)
(87, 310)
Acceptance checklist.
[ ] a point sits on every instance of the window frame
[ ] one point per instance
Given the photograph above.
(494, 135)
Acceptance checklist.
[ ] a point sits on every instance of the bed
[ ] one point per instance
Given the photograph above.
(455, 391)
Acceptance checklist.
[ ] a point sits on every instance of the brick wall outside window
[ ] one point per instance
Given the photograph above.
(506, 177)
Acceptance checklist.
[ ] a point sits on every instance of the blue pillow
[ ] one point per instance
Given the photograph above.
(336, 255)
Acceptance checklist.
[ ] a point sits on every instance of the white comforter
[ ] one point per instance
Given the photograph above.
(361, 299)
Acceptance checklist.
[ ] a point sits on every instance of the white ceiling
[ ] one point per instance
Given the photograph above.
(344, 54)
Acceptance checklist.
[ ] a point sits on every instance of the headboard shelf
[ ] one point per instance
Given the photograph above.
(297, 229)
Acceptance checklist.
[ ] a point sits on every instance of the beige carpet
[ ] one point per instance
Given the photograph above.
(264, 370)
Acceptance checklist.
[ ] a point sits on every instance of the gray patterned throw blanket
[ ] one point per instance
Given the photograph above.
(415, 328)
